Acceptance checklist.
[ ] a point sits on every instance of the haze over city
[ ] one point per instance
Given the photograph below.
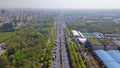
(59, 33)
(74, 4)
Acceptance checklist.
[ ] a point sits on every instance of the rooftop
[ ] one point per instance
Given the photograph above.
(117, 43)
(75, 33)
(107, 59)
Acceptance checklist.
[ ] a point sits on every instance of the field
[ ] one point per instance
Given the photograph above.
(90, 35)
(3, 34)
(95, 42)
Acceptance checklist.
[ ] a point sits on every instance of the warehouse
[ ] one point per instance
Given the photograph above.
(107, 59)
(115, 55)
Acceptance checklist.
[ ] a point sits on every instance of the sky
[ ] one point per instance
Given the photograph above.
(74, 4)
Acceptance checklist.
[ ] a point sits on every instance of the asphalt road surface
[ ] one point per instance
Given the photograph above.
(60, 43)
(65, 60)
(56, 55)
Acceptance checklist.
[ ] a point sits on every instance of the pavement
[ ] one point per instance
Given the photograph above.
(65, 60)
(60, 43)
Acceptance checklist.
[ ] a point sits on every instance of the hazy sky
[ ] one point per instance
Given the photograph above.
(110, 4)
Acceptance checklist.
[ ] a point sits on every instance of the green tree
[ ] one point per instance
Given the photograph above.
(4, 61)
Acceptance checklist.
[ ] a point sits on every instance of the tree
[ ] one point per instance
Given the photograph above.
(19, 55)
(4, 61)
(11, 50)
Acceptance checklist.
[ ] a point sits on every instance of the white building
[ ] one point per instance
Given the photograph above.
(82, 36)
(82, 40)
(75, 33)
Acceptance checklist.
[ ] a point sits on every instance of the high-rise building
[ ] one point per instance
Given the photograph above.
(2, 11)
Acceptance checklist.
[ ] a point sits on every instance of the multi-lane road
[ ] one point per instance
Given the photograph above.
(60, 55)
(56, 55)
(64, 53)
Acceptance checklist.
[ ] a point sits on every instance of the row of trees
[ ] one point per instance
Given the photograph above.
(93, 27)
(75, 56)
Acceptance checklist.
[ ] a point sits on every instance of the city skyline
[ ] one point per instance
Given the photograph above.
(74, 4)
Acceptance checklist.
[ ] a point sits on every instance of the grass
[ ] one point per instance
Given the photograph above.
(90, 35)
(3, 34)
(95, 42)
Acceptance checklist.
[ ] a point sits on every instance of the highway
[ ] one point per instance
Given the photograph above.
(60, 55)
(56, 63)
(64, 53)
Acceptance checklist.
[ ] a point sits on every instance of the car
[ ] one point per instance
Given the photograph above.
(55, 44)
(53, 59)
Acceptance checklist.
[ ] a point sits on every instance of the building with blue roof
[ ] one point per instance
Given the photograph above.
(107, 59)
(112, 65)
(115, 55)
